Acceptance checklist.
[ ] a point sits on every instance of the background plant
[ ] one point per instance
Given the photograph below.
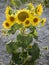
(19, 3)
(46, 3)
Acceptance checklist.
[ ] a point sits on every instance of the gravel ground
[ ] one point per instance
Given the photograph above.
(43, 41)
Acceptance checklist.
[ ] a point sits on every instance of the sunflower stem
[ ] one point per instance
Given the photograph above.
(23, 31)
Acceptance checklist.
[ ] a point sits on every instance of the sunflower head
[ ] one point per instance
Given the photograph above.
(27, 22)
(11, 19)
(35, 21)
(22, 15)
(43, 21)
(39, 9)
(6, 24)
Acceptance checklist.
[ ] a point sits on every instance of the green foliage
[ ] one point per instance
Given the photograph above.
(17, 3)
(46, 3)
(19, 57)
(24, 40)
(22, 57)
(33, 32)
(27, 55)
(16, 58)
(34, 52)
(11, 47)
(14, 28)
(20, 3)
(32, 29)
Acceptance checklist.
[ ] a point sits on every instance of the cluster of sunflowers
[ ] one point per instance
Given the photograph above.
(27, 16)
(23, 51)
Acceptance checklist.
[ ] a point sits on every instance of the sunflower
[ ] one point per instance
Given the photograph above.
(43, 21)
(22, 15)
(27, 22)
(8, 11)
(11, 19)
(6, 24)
(39, 9)
(35, 21)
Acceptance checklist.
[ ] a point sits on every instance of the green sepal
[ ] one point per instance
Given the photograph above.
(10, 12)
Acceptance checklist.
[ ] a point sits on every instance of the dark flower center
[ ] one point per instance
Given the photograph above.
(12, 19)
(38, 10)
(35, 20)
(27, 22)
(22, 16)
(7, 24)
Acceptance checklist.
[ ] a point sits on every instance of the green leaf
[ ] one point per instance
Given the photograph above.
(24, 40)
(11, 47)
(34, 52)
(23, 54)
(16, 58)
(33, 32)
(14, 28)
